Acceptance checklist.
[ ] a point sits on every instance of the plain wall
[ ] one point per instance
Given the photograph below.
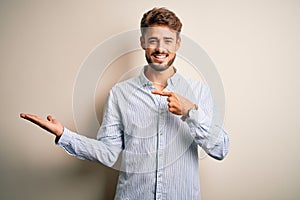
(254, 44)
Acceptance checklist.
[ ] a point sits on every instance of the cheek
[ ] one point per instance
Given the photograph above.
(172, 49)
(148, 53)
(171, 55)
(149, 50)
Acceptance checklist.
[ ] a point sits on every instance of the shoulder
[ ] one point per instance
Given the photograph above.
(125, 85)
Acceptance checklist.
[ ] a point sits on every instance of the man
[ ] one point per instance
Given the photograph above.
(155, 121)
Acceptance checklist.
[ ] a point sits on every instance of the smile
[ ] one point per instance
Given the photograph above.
(160, 57)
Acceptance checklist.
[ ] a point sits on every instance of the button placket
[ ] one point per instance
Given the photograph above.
(160, 146)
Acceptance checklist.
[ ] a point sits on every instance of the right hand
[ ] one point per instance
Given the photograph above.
(52, 125)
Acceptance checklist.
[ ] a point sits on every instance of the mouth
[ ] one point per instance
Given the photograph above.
(160, 57)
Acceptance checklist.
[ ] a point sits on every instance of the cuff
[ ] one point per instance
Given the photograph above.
(65, 138)
(194, 116)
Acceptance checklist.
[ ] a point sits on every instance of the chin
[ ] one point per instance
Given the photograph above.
(159, 67)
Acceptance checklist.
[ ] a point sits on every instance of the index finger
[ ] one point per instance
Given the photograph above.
(162, 93)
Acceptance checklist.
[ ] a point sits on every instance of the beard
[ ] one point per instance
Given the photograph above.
(159, 67)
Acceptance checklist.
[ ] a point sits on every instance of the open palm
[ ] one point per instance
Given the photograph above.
(51, 124)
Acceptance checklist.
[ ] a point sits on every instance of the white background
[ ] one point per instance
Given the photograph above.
(254, 44)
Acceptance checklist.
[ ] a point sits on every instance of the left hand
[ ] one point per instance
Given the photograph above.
(178, 105)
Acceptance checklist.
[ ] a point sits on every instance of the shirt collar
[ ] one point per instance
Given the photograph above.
(144, 81)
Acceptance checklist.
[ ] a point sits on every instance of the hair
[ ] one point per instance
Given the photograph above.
(160, 16)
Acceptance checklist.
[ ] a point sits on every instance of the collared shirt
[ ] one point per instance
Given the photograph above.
(157, 150)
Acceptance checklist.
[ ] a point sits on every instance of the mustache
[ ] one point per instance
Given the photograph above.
(159, 52)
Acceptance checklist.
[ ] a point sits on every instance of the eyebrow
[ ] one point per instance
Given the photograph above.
(165, 38)
(168, 38)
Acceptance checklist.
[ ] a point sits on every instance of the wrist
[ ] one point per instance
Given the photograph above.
(59, 132)
(58, 135)
(191, 110)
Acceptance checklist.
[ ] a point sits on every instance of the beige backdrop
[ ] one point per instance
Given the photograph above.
(255, 45)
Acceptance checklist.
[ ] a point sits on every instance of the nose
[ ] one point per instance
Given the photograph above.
(159, 46)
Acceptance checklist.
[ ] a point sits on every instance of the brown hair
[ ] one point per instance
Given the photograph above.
(160, 16)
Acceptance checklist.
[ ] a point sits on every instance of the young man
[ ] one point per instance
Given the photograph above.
(155, 121)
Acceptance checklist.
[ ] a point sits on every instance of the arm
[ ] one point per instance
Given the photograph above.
(105, 149)
(206, 128)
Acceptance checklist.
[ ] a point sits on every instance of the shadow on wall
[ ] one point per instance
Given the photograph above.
(79, 180)
(100, 180)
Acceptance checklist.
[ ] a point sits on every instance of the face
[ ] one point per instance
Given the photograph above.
(160, 44)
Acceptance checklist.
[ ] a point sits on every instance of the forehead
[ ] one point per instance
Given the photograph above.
(159, 32)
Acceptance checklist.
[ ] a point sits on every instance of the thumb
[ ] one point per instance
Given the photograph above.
(58, 127)
(50, 118)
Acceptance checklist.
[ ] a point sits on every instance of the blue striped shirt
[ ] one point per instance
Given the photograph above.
(157, 149)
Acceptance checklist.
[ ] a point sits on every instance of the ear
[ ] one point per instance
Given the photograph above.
(178, 42)
(142, 42)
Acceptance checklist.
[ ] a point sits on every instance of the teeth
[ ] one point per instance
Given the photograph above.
(160, 56)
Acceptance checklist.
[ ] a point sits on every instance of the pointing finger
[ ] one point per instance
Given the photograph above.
(156, 92)
(167, 94)
(162, 93)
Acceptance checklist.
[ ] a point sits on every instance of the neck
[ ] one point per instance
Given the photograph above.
(159, 78)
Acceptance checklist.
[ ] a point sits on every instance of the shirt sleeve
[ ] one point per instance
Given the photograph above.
(207, 127)
(108, 145)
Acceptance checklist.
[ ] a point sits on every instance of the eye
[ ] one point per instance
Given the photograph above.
(168, 41)
(152, 41)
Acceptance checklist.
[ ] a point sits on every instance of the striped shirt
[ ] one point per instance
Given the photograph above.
(157, 150)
